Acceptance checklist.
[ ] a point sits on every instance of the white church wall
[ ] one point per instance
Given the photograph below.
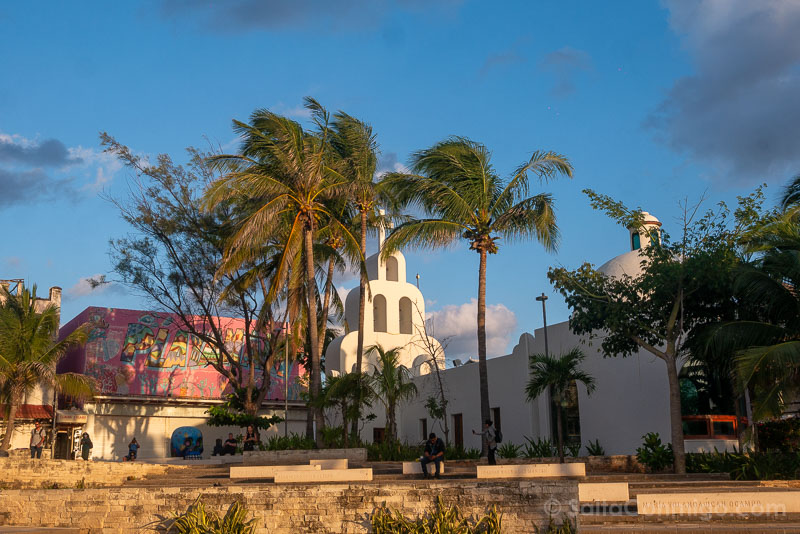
(631, 398)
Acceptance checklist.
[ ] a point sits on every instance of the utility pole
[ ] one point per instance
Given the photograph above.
(542, 299)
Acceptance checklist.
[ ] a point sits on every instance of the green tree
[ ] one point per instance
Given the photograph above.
(286, 172)
(682, 285)
(29, 353)
(556, 374)
(172, 257)
(392, 384)
(462, 196)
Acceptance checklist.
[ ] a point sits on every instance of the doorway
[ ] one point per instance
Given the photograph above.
(458, 430)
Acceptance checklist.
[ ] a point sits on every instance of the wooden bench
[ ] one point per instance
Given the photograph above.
(327, 475)
(415, 468)
(267, 471)
(532, 470)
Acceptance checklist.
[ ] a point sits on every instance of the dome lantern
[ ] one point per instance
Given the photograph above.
(641, 237)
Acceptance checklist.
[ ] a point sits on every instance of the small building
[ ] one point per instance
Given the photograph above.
(154, 384)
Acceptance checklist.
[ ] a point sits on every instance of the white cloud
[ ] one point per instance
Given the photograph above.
(459, 324)
(92, 285)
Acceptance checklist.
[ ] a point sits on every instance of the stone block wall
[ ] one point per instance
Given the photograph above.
(291, 509)
(302, 456)
(27, 473)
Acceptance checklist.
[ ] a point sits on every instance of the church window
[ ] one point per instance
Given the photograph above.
(379, 313)
(405, 316)
(636, 243)
(392, 269)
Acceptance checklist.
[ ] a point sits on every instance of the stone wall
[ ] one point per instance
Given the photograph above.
(27, 473)
(290, 509)
(302, 456)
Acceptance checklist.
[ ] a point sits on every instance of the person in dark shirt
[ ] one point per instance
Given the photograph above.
(230, 445)
(434, 453)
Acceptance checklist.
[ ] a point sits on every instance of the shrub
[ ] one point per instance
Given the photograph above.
(442, 520)
(746, 466)
(460, 453)
(509, 450)
(779, 435)
(595, 449)
(573, 448)
(653, 454)
(196, 520)
(541, 448)
(393, 452)
(564, 528)
(291, 442)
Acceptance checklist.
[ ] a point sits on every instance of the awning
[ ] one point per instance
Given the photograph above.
(30, 411)
(71, 417)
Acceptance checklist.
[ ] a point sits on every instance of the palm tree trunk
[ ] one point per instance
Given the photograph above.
(345, 441)
(311, 283)
(482, 371)
(676, 422)
(11, 416)
(326, 301)
(362, 305)
(560, 431)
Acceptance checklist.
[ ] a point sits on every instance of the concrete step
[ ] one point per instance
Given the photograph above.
(39, 530)
(693, 528)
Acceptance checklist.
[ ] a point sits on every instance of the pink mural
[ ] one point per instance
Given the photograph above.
(132, 352)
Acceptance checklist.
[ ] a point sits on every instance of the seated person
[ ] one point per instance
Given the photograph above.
(230, 445)
(434, 452)
(218, 451)
(133, 450)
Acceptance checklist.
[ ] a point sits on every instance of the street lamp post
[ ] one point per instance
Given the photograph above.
(542, 299)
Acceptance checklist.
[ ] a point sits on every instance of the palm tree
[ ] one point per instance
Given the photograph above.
(357, 148)
(289, 173)
(392, 384)
(29, 353)
(457, 188)
(557, 375)
(765, 338)
(342, 392)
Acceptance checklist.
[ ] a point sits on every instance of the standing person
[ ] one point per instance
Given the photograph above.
(250, 439)
(37, 440)
(133, 450)
(434, 453)
(488, 440)
(86, 446)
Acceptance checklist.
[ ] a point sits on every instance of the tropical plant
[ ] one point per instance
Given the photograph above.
(552, 527)
(29, 353)
(460, 453)
(574, 448)
(593, 448)
(442, 520)
(198, 520)
(288, 174)
(539, 448)
(392, 384)
(462, 197)
(291, 442)
(509, 450)
(682, 285)
(653, 454)
(348, 393)
(393, 451)
(355, 144)
(557, 374)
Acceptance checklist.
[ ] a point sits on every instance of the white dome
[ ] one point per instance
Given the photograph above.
(629, 263)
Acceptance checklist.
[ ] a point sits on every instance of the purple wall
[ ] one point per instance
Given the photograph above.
(133, 352)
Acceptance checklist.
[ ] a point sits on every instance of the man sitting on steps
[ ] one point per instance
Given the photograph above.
(434, 452)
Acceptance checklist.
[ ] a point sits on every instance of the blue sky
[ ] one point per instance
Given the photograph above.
(651, 101)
